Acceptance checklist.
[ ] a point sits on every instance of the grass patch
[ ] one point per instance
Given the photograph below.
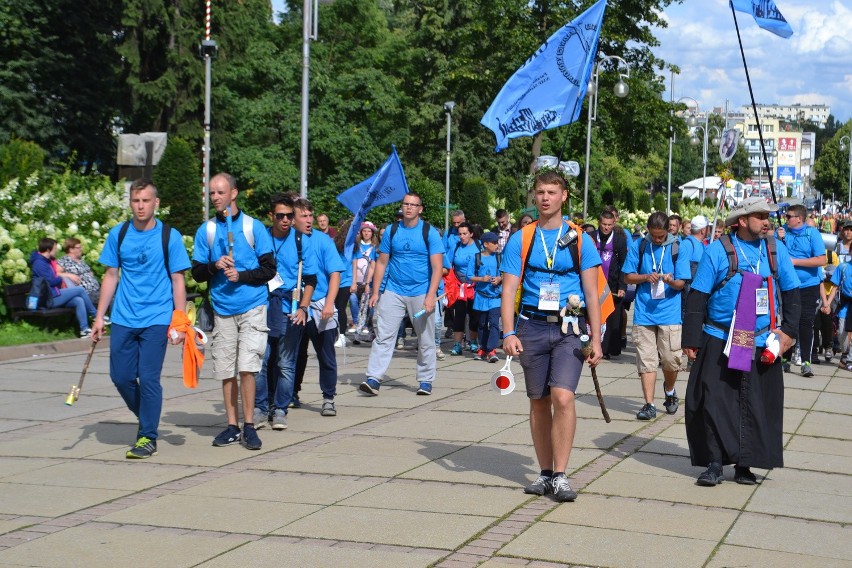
(23, 333)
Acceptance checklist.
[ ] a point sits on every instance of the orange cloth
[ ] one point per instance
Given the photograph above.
(193, 358)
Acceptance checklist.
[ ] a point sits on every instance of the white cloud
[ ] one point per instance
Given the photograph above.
(812, 66)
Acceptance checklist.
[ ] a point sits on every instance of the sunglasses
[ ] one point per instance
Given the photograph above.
(282, 216)
(791, 216)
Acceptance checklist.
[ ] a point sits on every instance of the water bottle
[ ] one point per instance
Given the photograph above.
(32, 303)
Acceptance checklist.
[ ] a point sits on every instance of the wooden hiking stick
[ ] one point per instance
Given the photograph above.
(586, 350)
(74, 394)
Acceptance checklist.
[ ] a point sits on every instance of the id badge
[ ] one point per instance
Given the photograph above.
(658, 290)
(548, 296)
(761, 301)
(275, 283)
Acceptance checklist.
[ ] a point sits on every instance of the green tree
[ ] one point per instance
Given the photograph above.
(18, 159)
(831, 168)
(178, 177)
(474, 200)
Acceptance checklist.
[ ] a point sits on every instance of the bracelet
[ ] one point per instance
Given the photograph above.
(508, 333)
(304, 308)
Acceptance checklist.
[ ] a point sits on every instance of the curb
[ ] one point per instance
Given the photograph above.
(64, 347)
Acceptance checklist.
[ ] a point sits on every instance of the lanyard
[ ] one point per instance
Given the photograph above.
(754, 269)
(654, 260)
(550, 257)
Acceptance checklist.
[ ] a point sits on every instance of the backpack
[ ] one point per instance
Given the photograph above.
(393, 230)
(604, 294)
(166, 235)
(478, 262)
(733, 268)
(248, 230)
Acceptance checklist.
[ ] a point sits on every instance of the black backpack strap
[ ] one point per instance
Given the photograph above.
(122, 232)
(166, 235)
(642, 244)
(426, 227)
(477, 264)
(499, 258)
(772, 249)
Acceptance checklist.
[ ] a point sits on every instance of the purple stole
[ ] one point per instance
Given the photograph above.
(742, 335)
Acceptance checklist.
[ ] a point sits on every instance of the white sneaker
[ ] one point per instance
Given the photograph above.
(350, 331)
(400, 343)
(440, 354)
(341, 341)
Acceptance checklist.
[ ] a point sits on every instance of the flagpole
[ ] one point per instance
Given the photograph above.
(756, 117)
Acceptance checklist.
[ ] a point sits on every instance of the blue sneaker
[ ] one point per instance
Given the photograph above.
(250, 438)
(474, 346)
(425, 388)
(457, 349)
(228, 436)
(370, 387)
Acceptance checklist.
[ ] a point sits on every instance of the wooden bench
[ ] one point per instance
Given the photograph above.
(15, 296)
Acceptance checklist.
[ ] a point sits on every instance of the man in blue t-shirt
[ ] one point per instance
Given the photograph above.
(286, 315)
(659, 279)
(734, 416)
(413, 265)
(321, 328)
(146, 294)
(548, 345)
(807, 253)
(233, 253)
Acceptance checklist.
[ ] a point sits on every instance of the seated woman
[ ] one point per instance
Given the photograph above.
(41, 262)
(73, 263)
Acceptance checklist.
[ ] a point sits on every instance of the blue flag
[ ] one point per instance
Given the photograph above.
(766, 14)
(547, 91)
(386, 186)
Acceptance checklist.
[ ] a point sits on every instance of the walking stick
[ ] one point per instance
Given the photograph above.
(586, 349)
(74, 394)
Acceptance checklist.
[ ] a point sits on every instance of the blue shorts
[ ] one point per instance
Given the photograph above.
(550, 358)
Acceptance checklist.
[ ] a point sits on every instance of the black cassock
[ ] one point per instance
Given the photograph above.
(733, 417)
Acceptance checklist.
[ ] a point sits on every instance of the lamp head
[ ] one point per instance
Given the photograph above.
(621, 89)
(449, 106)
(714, 141)
(592, 88)
(694, 140)
(692, 122)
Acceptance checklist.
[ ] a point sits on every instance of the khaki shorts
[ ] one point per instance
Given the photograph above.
(238, 343)
(656, 344)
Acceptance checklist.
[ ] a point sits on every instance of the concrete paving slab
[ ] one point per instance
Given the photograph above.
(669, 446)
(676, 490)
(816, 539)
(94, 547)
(664, 465)
(800, 398)
(796, 381)
(487, 464)
(591, 433)
(801, 504)
(272, 551)
(835, 403)
(840, 384)
(826, 425)
(792, 420)
(728, 556)
(442, 425)
(386, 526)
(810, 444)
(332, 463)
(421, 496)
(308, 418)
(488, 401)
(818, 462)
(127, 476)
(51, 500)
(632, 515)
(10, 467)
(605, 547)
(13, 425)
(201, 512)
(284, 487)
(53, 408)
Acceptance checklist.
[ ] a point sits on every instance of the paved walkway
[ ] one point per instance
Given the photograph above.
(401, 480)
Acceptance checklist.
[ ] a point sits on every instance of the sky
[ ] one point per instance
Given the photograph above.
(813, 66)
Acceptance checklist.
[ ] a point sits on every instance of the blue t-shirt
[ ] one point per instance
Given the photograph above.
(569, 282)
(346, 275)
(460, 255)
(842, 278)
(409, 269)
(287, 263)
(451, 237)
(692, 248)
(321, 246)
(805, 242)
(232, 298)
(666, 310)
(714, 269)
(487, 294)
(144, 296)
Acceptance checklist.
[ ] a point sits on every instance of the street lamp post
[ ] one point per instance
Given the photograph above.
(715, 141)
(843, 147)
(621, 89)
(448, 109)
(691, 122)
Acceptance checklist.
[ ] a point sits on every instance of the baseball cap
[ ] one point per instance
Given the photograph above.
(489, 237)
(699, 222)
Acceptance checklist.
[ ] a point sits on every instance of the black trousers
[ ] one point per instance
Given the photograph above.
(810, 304)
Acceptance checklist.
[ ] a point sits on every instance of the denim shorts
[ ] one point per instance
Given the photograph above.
(550, 358)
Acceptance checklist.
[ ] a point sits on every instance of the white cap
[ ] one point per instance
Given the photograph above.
(699, 222)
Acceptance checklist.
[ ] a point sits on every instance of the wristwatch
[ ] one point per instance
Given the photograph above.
(304, 309)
